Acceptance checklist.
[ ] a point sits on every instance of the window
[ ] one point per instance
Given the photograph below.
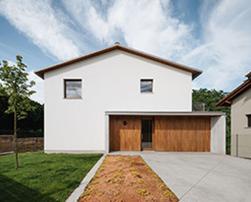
(146, 85)
(72, 88)
(249, 120)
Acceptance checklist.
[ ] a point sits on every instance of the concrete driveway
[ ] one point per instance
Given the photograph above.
(203, 176)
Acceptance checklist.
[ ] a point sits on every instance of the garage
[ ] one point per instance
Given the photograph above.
(177, 132)
(182, 133)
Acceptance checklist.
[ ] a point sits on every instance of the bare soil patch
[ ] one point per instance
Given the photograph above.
(126, 178)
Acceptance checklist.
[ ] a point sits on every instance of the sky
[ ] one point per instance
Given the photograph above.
(211, 35)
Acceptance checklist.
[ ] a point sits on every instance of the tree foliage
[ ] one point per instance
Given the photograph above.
(210, 98)
(16, 86)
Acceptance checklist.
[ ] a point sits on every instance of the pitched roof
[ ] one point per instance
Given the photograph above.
(227, 100)
(116, 46)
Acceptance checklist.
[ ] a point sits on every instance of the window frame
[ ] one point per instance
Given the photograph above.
(248, 120)
(72, 98)
(146, 79)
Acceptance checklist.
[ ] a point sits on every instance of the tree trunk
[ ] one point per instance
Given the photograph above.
(15, 139)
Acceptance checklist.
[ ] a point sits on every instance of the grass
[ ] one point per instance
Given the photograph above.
(43, 177)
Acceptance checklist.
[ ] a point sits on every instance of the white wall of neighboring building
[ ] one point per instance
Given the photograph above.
(218, 135)
(110, 82)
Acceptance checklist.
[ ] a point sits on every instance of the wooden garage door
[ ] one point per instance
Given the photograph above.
(125, 133)
(182, 134)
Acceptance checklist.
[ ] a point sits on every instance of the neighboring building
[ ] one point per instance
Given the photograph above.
(240, 101)
(119, 98)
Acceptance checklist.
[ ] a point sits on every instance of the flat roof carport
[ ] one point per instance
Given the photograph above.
(161, 113)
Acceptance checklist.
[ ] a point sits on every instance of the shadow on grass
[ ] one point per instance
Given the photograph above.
(12, 191)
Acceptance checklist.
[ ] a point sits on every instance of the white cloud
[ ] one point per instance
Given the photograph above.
(45, 26)
(146, 25)
(224, 53)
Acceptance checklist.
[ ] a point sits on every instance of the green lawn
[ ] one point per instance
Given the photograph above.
(43, 177)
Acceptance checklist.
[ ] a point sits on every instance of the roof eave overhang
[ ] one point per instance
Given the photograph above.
(195, 72)
(227, 100)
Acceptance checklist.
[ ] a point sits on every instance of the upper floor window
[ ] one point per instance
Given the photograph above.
(249, 120)
(72, 88)
(146, 85)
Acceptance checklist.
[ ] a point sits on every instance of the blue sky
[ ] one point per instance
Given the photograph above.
(214, 36)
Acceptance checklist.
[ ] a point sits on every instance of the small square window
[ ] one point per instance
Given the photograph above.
(249, 119)
(72, 88)
(146, 85)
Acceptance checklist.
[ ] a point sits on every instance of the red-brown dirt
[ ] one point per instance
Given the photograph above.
(126, 178)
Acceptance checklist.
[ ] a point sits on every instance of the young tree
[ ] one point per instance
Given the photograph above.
(15, 85)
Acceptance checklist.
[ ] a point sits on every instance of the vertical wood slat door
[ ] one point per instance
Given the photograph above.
(182, 134)
(125, 133)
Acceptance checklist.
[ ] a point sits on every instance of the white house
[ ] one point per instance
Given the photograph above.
(119, 98)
